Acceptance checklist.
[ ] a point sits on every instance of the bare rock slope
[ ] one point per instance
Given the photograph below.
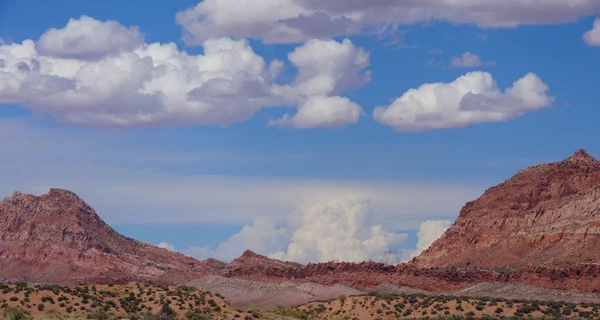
(547, 215)
(58, 238)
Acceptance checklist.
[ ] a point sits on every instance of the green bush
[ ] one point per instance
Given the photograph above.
(11, 313)
(166, 310)
(98, 314)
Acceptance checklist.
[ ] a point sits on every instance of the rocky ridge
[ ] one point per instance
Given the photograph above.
(59, 238)
(544, 216)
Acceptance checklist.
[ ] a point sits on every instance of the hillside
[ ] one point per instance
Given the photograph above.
(58, 238)
(116, 301)
(547, 215)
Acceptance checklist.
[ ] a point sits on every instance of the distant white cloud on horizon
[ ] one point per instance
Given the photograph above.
(470, 99)
(101, 74)
(339, 229)
(592, 37)
(166, 245)
(296, 21)
(429, 231)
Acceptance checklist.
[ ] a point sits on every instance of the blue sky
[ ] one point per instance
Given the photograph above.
(195, 179)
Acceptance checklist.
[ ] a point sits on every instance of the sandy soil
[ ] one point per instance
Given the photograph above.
(248, 293)
(241, 292)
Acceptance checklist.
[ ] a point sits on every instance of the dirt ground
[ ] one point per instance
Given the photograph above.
(244, 293)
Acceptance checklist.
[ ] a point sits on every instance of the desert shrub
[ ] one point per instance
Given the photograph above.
(98, 314)
(53, 315)
(166, 310)
(499, 310)
(191, 315)
(11, 313)
(41, 307)
(14, 299)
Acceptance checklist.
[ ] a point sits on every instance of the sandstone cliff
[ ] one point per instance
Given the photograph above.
(58, 238)
(547, 215)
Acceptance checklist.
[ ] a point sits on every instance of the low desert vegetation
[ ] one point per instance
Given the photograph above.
(145, 302)
(23, 301)
(383, 307)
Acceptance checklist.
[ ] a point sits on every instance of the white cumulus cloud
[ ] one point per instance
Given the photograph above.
(87, 38)
(102, 74)
(469, 60)
(325, 70)
(322, 112)
(472, 98)
(429, 231)
(294, 21)
(592, 37)
(263, 236)
(341, 229)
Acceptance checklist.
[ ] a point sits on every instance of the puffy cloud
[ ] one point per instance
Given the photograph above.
(325, 70)
(322, 112)
(286, 21)
(328, 67)
(429, 231)
(472, 98)
(154, 85)
(166, 245)
(87, 38)
(129, 83)
(341, 229)
(469, 60)
(592, 37)
(262, 236)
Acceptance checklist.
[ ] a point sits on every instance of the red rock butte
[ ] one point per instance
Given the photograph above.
(58, 238)
(547, 215)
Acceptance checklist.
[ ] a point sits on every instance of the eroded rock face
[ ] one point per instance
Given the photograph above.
(58, 238)
(544, 216)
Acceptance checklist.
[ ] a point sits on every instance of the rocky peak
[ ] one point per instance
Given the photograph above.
(546, 215)
(251, 258)
(582, 156)
(63, 193)
(59, 237)
(249, 254)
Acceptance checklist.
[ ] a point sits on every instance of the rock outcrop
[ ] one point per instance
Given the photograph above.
(58, 238)
(546, 216)
(250, 258)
